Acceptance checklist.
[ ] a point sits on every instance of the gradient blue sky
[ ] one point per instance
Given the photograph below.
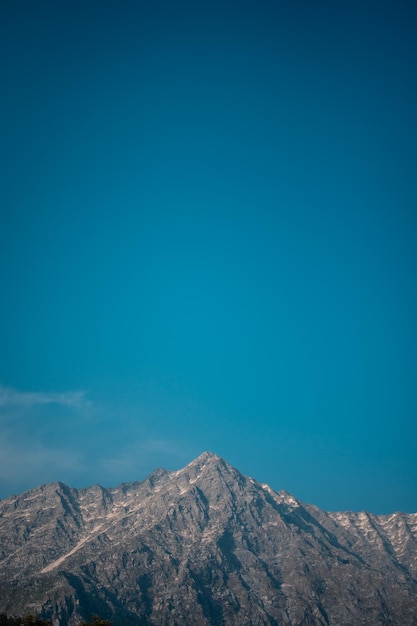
(208, 242)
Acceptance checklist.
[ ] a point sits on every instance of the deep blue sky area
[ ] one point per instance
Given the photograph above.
(208, 242)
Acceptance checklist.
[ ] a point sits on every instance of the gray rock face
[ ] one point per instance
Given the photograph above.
(203, 545)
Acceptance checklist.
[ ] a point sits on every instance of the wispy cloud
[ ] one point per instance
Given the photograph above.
(40, 437)
(48, 436)
(10, 397)
(20, 463)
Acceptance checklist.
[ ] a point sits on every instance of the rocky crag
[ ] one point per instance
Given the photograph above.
(203, 545)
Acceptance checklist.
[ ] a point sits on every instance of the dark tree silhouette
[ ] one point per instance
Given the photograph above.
(27, 620)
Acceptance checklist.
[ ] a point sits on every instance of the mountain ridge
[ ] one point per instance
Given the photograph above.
(202, 545)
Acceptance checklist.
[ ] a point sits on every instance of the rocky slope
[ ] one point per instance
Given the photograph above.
(203, 545)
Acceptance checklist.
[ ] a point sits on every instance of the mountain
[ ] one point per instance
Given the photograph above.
(203, 545)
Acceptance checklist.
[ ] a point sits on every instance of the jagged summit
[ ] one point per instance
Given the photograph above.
(202, 545)
(207, 459)
(207, 456)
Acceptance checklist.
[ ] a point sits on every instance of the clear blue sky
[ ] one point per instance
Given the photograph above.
(208, 242)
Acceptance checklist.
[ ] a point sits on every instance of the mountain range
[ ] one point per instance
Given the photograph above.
(205, 545)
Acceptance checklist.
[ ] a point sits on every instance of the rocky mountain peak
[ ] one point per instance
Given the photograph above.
(205, 460)
(202, 545)
(206, 456)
